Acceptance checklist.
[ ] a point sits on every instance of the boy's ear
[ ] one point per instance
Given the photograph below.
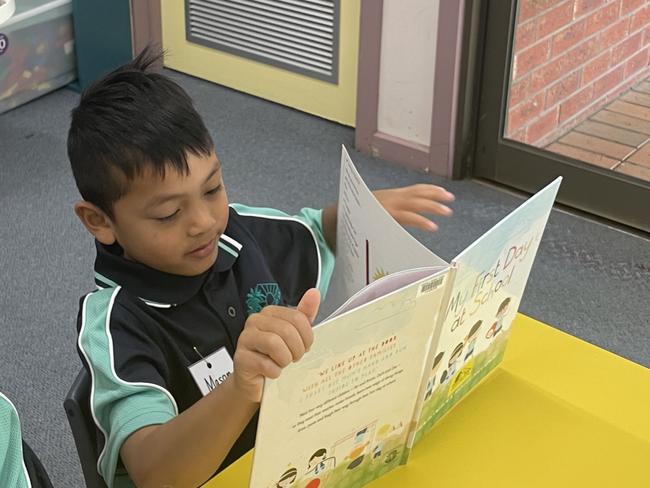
(96, 221)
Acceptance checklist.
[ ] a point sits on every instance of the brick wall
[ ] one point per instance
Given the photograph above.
(570, 58)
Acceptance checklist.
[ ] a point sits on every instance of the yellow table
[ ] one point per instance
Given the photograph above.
(558, 412)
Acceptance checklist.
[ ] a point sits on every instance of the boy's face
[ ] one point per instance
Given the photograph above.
(173, 224)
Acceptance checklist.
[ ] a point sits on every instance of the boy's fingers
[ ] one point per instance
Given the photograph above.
(310, 303)
(269, 368)
(431, 206)
(295, 318)
(273, 346)
(260, 364)
(287, 331)
(433, 192)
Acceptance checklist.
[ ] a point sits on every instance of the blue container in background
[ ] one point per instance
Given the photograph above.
(37, 51)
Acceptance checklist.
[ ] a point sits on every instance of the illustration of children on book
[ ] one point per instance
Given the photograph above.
(319, 462)
(498, 324)
(287, 478)
(453, 359)
(319, 468)
(383, 432)
(432, 380)
(391, 456)
(386, 435)
(470, 340)
(376, 451)
(444, 377)
(358, 452)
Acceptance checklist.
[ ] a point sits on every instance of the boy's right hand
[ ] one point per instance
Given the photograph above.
(271, 340)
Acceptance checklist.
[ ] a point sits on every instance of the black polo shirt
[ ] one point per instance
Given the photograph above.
(143, 329)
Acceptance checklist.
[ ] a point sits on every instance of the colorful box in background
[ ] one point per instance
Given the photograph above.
(7, 9)
(36, 51)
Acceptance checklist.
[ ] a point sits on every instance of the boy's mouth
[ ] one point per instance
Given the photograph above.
(203, 250)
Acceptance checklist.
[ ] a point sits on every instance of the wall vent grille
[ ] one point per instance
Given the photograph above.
(298, 35)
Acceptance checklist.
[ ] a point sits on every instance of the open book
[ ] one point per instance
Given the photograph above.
(413, 336)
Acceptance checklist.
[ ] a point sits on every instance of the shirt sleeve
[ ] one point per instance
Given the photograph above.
(119, 406)
(12, 467)
(309, 220)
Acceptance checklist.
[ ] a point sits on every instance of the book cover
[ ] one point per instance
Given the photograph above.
(489, 282)
(342, 415)
(410, 337)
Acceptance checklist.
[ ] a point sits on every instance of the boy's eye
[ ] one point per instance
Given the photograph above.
(168, 217)
(214, 191)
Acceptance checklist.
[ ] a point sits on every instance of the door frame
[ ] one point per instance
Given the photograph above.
(439, 156)
(146, 24)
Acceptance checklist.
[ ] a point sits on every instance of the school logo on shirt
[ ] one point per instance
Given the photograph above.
(262, 295)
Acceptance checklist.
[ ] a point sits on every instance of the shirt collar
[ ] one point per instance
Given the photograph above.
(158, 288)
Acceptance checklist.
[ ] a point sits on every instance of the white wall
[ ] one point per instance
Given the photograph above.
(408, 47)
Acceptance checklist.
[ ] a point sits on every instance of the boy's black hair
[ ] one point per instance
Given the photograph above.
(132, 119)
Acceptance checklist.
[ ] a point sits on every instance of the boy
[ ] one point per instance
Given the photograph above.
(192, 309)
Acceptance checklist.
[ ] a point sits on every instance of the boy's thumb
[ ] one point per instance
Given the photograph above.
(309, 303)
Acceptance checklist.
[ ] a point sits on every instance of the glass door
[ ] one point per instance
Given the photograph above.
(565, 90)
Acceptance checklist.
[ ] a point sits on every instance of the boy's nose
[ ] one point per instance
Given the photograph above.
(202, 222)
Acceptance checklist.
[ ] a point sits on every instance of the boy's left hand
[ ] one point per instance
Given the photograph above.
(406, 204)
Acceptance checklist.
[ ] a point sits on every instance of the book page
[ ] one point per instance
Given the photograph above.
(386, 285)
(340, 417)
(489, 281)
(370, 243)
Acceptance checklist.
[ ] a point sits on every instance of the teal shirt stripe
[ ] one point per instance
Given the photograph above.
(119, 408)
(105, 280)
(12, 465)
(313, 220)
(228, 249)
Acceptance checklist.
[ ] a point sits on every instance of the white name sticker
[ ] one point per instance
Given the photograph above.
(211, 371)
